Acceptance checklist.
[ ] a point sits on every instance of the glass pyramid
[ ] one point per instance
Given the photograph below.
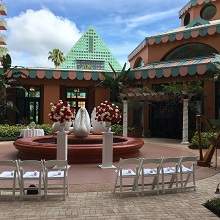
(90, 53)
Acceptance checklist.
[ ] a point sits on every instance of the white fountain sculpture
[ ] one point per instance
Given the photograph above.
(97, 126)
(82, 125)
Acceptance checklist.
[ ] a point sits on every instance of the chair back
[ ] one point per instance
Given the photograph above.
(171, 162)
(189, 159)
(30, 165)
(129, 162)
(55, 164)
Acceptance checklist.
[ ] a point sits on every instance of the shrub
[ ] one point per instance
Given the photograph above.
(13, 131)
(118, 129)
(205, 140)
(10, 131)
(213, 205)
(46, 127)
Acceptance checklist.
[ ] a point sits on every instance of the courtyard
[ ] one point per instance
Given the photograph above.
(91, 194)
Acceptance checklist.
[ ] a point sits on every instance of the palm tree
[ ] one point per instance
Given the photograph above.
(116, 81)
(56, 56)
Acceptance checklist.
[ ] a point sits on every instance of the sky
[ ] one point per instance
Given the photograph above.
(37, 26)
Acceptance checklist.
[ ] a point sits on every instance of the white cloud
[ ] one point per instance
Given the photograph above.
(32, 34)
(150, 18)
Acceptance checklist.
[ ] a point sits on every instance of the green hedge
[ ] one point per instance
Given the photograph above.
(213, 205)
(10, 132)
(205, 140)
(118, 129)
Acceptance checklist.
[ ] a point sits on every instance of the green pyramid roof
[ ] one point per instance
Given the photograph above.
(90, 52)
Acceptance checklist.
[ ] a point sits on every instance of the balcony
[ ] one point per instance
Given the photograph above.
(3, 10)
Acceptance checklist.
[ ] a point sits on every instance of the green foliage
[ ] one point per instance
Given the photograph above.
(118, 129)
(116, 81)
(56, 56)
(13, 131)
(6, 62)
(10, 131)
(46, 127)
(206, 138)
(190, 88)
(213, 205)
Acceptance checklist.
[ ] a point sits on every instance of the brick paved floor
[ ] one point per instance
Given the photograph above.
(103, 205)
(88, 177)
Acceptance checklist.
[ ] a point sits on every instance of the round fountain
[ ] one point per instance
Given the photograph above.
(83, 147)
(80, 150)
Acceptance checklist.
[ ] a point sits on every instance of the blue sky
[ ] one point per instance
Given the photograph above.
(36, 26)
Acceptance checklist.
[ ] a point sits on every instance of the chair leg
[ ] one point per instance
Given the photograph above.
(187, 179)
(14, 184)
(45, 188)
(194, 180)
(67, 184)
(120, 184)
(177, 183)
(181, 181)
(163, 187)
(157, 184)
(116, 181)
(64, 188)
(39, 188)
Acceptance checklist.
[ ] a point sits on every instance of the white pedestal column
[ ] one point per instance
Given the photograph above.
(62, 145)
(185, 136)
(125, 118)
(107, 150)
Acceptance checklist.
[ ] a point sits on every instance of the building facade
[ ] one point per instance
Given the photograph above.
(78, 80)
(188, 53)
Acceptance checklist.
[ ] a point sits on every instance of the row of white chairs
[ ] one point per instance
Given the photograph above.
(155, 175)
(34, 178)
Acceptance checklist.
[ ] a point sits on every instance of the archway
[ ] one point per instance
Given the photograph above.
(189, 50)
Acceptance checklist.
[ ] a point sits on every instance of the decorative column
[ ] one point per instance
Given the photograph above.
(185, 138)
(125, 118)
(62, 145)
(107, 150)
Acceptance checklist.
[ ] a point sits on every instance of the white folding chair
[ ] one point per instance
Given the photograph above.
(170, 170)
(151, 168)
(31, 178)
(127, 169)
(187, 168)
(56, 171)
(8, 173)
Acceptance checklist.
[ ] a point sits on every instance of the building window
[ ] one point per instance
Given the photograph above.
(208, 11)
(139, 63)
(76, 97)
(186, 19)
(189, 51)
(29, 105)
(90, 65)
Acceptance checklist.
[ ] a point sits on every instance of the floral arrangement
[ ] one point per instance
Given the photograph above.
(108, 112)
(61, 112)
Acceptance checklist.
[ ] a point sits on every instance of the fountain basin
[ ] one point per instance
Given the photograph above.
(80, 150)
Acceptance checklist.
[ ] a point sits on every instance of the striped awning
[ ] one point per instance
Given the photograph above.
(57, 74)
(191, 4)
(182, 68)
(182, 34)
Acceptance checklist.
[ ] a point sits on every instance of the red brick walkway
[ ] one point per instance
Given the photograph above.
(88, 177)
